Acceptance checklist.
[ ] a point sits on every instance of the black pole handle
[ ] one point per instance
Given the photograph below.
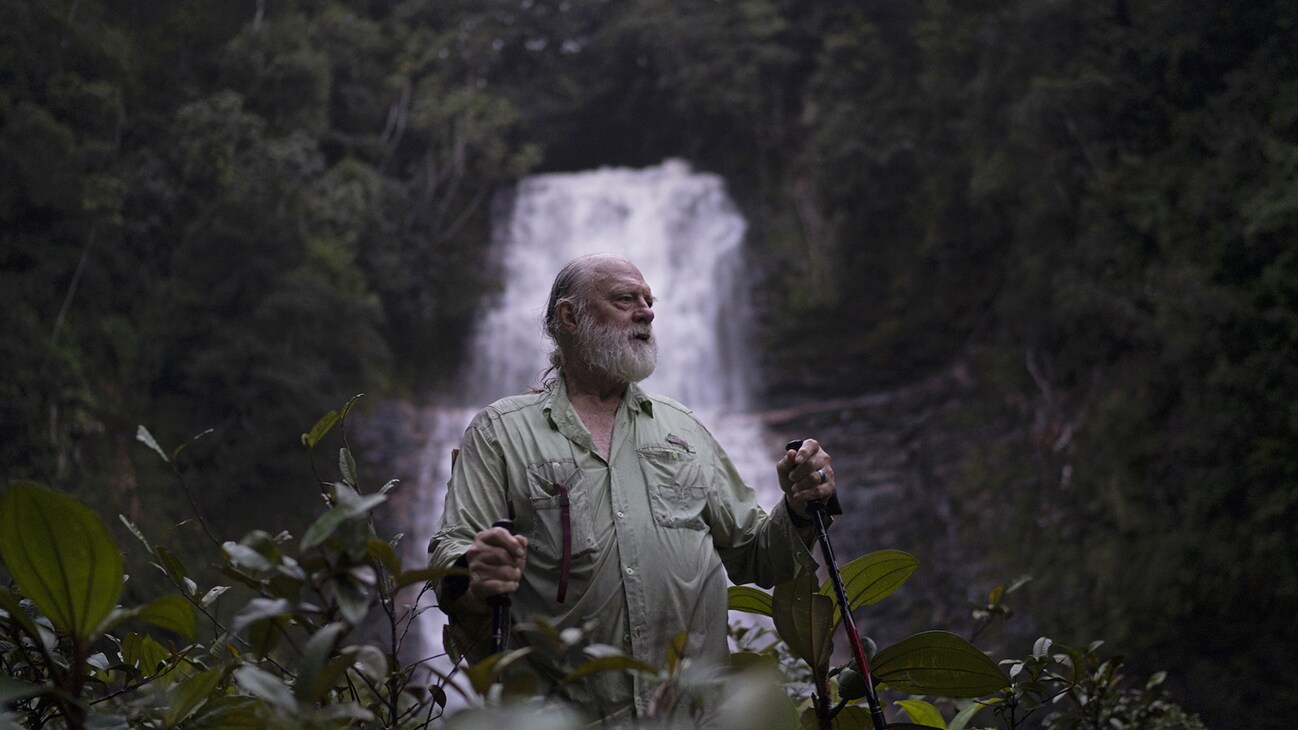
(814, 505)
(500, 603)
(817, 506)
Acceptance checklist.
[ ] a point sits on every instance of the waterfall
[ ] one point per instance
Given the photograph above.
(678, 227)
(684, 233)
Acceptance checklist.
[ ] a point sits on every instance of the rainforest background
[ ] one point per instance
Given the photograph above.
(234, 216)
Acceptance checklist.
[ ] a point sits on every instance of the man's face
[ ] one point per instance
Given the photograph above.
(615, 332)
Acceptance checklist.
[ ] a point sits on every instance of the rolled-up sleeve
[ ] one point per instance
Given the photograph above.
(756, 547)
(476, 494)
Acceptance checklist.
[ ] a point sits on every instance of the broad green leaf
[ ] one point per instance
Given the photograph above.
(171, 565)
(520, 686)
(349, 507)
(12, 690)
(748, 660)
(1041, 647)
(231, 712)
(676, 650)
(438, 694)
(484, 673)
(260, 609)
(61, 556)
(383, 552)
(321, 427)
(749, 600)
(353, 600)
(173, 613)
(189, 694)
(350, 404)
(938, 663)
(143, 436)
(266, 544)
(213, 594)
(923, 713)
(803, 617)
(265, 635)
(618, 663)
(143, 653)
(752, 699)
(316, 673)
(997, 593)
(963, 717)
(267, 687)
(117, 617)
(454, 649)
(243, 556)
(371, 662)
(347, 465)
(872, 577)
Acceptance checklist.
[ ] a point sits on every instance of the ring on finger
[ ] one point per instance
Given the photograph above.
(821, 474)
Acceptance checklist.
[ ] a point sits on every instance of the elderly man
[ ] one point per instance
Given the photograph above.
(628, 510)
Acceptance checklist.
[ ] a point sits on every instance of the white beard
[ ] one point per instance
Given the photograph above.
(614, 352)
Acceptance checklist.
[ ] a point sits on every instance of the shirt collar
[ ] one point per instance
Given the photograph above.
(558, 409)
(638, 400)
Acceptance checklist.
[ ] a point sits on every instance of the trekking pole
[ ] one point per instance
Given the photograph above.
(817, 510)
(500, 604)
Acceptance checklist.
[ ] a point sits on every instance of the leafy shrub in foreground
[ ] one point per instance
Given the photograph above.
(292, 655)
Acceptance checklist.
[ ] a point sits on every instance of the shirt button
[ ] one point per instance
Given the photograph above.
(620, 515)
(630, 570)
(590, 541)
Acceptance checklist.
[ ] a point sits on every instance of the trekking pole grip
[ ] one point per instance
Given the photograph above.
(500, 603)
(818, 509)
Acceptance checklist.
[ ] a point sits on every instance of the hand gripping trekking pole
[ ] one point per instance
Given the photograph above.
(817, 510)
(499, 604)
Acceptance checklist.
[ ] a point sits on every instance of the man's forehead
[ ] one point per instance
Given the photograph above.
(620, 273)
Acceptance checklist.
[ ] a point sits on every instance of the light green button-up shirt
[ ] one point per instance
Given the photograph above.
(653, 532)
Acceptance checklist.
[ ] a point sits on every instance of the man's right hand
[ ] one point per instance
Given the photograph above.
(496, 561)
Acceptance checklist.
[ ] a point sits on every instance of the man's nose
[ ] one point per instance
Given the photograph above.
(644, 313)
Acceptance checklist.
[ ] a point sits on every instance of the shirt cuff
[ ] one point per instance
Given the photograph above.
(832, 507)
(799, 531)
(453, 586)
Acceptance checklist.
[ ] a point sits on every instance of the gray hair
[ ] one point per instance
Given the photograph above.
(575, 284)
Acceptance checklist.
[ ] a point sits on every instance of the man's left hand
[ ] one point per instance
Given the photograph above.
(805, 476)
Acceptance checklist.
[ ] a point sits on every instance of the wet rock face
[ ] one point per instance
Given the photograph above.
(899, 456)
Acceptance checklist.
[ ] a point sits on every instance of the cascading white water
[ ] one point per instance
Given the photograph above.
(683, 232)
(679, 228)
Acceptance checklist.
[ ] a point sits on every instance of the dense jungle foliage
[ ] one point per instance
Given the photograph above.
(235, 215)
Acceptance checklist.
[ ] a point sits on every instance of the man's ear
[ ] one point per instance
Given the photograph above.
(567, 315)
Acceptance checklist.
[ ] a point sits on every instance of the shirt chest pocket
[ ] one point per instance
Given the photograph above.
(561, 514)
(678, 492)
